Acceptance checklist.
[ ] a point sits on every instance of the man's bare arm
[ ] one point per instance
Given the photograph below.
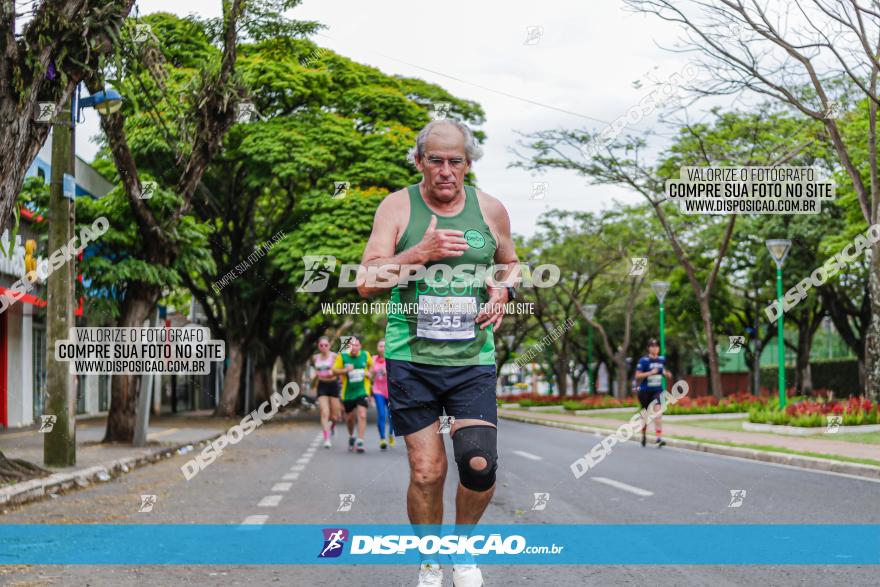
(505, 254)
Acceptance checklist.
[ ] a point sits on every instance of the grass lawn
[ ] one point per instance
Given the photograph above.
(736, 425)
(621, 416)
(770, 448)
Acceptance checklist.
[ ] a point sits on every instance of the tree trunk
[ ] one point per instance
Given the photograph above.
(232, 380)
(621, 375)
(140, 300)
(803, 375)
(263, 384)
(756, 368)
(561, 368)
(714, 372)
(872, 341)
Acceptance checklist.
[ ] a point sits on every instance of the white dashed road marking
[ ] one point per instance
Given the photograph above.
(527, 455)
(623, 486)
(270, 501)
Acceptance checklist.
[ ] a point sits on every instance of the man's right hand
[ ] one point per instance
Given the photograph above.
(439, 244)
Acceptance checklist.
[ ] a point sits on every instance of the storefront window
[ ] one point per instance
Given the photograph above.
(39, 341)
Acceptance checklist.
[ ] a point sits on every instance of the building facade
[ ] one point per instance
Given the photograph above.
(23, 350)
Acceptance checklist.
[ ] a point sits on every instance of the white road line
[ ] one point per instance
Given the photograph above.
(270, 501)
(282, 487)
(527, 455)
(303, 460)
(257, 520)
(623, 486)
(291, 477)
(297, 468)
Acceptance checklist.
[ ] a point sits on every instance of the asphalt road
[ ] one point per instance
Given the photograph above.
(278, 475)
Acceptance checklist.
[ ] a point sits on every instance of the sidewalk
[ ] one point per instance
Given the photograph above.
(705, 439)
(99, 462)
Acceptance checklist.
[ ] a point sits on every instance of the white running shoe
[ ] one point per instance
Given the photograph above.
(466, 576)
(327, 443)
(430, 575)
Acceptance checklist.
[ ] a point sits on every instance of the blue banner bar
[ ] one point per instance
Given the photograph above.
(283, 544)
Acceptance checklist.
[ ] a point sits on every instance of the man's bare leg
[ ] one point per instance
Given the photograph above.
(427, 473)
(362, 421)
(349, 422)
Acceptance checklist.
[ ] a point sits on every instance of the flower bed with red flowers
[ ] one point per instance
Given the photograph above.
(737, 402)
(854, 411)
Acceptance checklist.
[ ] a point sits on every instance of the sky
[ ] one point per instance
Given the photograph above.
(531, 66)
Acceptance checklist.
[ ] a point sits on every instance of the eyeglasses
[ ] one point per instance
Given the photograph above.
(455, 163)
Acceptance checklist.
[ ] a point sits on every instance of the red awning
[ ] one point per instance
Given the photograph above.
(38, 302)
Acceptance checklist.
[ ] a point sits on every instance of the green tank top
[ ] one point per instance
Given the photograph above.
(355, 383)
(431, 320)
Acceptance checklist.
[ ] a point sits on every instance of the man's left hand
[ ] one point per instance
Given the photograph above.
(493, 311)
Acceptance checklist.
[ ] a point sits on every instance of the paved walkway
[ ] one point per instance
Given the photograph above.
(27, 443)
(813, 445)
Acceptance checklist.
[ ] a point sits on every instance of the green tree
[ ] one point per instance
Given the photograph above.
(63, 43)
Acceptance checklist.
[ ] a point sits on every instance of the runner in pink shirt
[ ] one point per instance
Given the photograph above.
(380, 394)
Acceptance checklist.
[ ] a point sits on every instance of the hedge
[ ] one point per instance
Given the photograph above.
(838, 375)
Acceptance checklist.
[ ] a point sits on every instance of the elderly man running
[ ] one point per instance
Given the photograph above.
(441, 358)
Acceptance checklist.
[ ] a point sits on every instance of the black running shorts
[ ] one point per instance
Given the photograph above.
(647, 396)
(421, 393)
(328, 388)
(351, 404)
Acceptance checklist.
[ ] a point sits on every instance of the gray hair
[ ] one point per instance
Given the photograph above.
(472, 150)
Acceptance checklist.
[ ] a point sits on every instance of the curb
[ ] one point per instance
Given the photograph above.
(37, 489)
(804, 462)
(802, 431)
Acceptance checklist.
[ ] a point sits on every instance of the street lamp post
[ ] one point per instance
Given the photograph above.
(660, 288)
(779, 249)
(589, 311)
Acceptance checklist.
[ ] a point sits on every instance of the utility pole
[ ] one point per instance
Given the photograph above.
(142, 408)
(59, 445)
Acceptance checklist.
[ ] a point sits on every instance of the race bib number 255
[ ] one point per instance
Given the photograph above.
(446, 318)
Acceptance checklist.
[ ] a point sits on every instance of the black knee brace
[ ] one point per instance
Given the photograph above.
(476, 441)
